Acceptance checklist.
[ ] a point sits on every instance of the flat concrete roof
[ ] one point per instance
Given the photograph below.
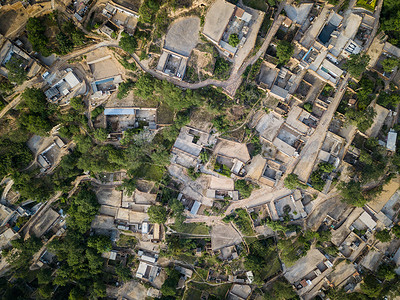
(45, 222)
(182, 36)
(304, 265)
(222, 183)
(298, 14)
(269, 125)
(381, 114)
(233, 150)
(217, 18)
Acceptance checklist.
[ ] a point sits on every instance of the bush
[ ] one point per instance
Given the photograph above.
(357, 64)
(127, 42)
(284, 52)
(292, 182)
(233, 40)
(222, 69)
(383, 236)
(16, 71)
(308, 107)
(157, 214)
(244, 188)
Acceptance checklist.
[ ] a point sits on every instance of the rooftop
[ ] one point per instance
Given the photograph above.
(217, 18)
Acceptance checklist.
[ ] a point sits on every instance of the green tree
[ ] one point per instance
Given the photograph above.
(157, 214)
(20, 259)
(44, 276)
(123, 273)
(77, 104)
(170, 284)
(292, 182)
(283, 290)
(383, 235)
(127, 42)
(101, 243)
(357, 64)
(371, 286)
(386, 272)
(244, 188)
(388, 100)
(16, 70)
(45, 291)
(36, 36)
(351, 193)
(36, 124)
(100, 134)
(124, 88)
(148, 10)
(65, 45)
(390, 63)
(83, 208)
(35, 99)
(396, 230)
(362, 119)
(284, 51)
(144, 86)
(233, 40)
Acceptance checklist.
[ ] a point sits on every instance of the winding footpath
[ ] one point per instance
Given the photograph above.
(230, 85)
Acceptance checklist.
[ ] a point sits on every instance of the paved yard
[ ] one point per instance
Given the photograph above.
(224, 235)
(298, 14)
(183, 35)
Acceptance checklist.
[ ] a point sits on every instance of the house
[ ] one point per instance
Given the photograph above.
(232, 154)
(45, 222)
(188, 145)
(147, 271)
(121, 119)
(266, 171)
(62, 87)
(187, 273)
(391, 140)
(365, 221)
(106, 73)
(9, 51)
(224, 19)
(239, 292)
(290, 205)
(221, 187)
(7, 236)
(302, 120)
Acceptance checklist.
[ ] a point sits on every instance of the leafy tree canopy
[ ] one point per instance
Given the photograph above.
(357, 64)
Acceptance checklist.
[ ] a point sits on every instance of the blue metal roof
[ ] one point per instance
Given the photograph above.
(119, 111)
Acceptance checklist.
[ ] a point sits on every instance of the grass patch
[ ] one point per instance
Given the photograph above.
(192, 228)
(186, 258)
(222, 169)
(165, 115)
(192, 294)
(263, 259)
(150, 172)
(242, 220)
(257, 4)
(219, 292)
(244, 188)
(126, 241)
(291, 251)
(367, 4)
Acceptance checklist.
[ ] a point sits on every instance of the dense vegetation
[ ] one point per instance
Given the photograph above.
(389, 20)
(67, 37)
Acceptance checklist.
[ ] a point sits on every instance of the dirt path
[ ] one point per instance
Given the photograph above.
(25, 230)
(310, 151)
